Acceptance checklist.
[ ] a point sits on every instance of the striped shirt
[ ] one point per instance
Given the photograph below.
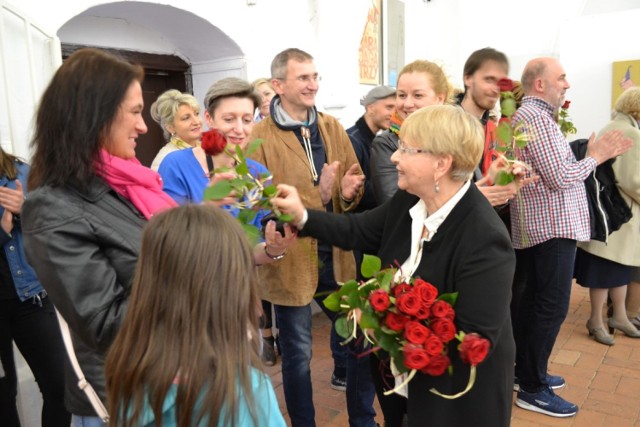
(555, 206)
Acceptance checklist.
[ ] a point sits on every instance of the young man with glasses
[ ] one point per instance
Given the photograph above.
(310, 150)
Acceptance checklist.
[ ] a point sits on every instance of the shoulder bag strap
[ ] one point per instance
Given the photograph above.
(84, 385)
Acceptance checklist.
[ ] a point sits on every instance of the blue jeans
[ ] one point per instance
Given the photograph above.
(295, 352)
(543, 307)
(84, 421)
(360, 388)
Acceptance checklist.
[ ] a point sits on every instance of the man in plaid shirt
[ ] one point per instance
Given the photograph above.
(546, 224)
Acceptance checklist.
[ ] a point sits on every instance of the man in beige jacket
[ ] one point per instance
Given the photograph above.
(310, 150)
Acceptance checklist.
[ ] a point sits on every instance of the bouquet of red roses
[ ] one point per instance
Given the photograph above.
(407, 319)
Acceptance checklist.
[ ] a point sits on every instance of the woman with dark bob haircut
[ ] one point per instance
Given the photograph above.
(90, 198)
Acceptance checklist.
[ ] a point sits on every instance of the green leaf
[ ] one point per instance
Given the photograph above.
(332, 302)
(371, 264)
(242, 168)
(369, 320)
(451, 298)
(348, 288)
(342, 328)
(505, 133)
(246, 216)
(386, 279)
(387, 342)
(218, 191)
(270, 190)
(285, 218)
(240, 154)
(252, 232)
(253, 146)
(508, 107)
(354, 301)
(504, 178)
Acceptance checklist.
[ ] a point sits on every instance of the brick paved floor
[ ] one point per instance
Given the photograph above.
(604, 381)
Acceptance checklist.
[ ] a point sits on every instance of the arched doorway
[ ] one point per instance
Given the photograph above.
(164, 40)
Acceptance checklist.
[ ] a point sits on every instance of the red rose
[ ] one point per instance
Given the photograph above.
(505, 85)
(379, 300)
(450, 313)
(473, 349)
(213, 142)
(423, 312)
(400, 289)
(566, 105)
(416, 332)
(415, 357)
(444, 328)
(409, 303)
(428, 293)
(395, 322)
(437, 365)
(433, 345)
(440, 309)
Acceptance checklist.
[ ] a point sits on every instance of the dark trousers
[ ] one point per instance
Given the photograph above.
(36, 332)
(543, 307)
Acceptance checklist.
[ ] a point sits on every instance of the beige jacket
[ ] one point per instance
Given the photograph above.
(292, 281)
(624, 245)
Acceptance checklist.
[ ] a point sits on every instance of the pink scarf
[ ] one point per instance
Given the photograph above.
(137, 183)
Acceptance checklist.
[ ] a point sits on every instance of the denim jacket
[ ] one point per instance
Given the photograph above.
(24, 277)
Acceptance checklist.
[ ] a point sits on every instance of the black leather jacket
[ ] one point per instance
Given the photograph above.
(84, 245)
(384, 175)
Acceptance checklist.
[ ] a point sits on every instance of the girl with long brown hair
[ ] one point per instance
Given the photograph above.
(188, 350)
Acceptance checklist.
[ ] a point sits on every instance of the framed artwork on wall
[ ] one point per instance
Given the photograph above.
(370, 52)
(626, 74)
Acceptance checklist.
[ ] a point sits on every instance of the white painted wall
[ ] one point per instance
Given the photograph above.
(587, 35)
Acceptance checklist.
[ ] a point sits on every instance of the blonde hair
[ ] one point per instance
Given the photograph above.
(629, 102)
(447, 130)
(440, 82)
(259, 82)
(164, 109)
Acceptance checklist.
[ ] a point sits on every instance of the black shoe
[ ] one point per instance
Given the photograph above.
(338, 383)
(269, 356)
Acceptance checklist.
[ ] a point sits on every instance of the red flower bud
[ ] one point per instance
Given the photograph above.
(433, 345)
(437, 365)
(415, 357)
(428, 293)
(473, 349)
(213, 142)
(440, 309)
(395, 322)
(505, 85)
(444, 328)
(416, 332)
(409, 303)
(400, 288)
(566, 105)
(379, 300)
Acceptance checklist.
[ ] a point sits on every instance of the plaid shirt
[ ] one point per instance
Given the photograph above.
(556, 205)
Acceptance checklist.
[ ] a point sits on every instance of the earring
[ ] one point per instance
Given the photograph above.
(437, 186)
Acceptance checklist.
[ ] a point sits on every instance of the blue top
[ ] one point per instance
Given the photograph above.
(185, 181)
(24, 277)
(267, 410)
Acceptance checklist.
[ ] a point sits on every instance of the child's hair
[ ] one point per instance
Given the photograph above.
(192, 321)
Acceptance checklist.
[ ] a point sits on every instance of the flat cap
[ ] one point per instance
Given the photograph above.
(377, 93)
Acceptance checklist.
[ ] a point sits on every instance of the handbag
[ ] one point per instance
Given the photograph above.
(83, 384)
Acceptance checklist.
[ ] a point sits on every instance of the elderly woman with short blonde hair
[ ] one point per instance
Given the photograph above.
(440, 228)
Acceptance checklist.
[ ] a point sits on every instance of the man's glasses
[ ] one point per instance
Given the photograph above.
(306, 79)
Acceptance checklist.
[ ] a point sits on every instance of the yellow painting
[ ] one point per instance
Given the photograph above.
(369, 52)
(626, 74)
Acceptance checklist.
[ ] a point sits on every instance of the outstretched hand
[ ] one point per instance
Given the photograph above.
(287, 201)
(609, 145)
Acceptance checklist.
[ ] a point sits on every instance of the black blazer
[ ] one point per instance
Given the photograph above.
(471, 253)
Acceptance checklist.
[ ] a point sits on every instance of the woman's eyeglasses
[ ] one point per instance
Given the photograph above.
(408, 150)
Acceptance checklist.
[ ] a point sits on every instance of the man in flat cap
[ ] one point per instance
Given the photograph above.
(379, 104)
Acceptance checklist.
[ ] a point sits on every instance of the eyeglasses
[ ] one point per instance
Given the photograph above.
(408, 150)
(306, 79)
